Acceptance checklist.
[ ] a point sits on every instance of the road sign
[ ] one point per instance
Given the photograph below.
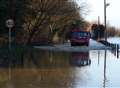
(9, 23)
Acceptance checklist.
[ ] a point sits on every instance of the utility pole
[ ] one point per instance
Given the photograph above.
(105, 61)
(105, 20)
(98, 28)
(105, 6)
(98, 20)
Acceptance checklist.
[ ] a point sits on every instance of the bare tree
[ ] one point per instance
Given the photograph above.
(44, 13)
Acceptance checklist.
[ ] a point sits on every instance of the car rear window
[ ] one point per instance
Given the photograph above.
(80, 34)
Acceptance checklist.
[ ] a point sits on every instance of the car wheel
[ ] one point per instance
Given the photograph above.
(73, 44)
(87, 44)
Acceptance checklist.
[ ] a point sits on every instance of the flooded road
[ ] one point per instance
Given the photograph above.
(47, 69)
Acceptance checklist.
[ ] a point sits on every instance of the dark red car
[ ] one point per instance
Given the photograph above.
(78, 37)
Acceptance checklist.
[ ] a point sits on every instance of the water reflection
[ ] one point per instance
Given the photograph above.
(98, 57)
(46, 59)
(36, 59)
(46, 69)
(80, 59)
(11, 61)
(115, 51)
(105, 62)
(36, 68)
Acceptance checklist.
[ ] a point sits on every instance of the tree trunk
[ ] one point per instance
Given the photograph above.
(30, 38)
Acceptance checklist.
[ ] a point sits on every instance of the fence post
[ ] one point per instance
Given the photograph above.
(117, 50)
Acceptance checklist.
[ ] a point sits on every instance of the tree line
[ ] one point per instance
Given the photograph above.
(98, 31)
(39, 18)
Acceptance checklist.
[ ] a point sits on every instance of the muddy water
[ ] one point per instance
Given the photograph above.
(44, 69)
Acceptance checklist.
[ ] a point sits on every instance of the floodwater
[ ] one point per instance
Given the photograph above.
(47, 69)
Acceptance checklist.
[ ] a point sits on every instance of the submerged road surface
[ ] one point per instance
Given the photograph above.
(94, 45)
(48, 69)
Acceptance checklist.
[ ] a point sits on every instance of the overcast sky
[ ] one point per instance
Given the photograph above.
(97, 9)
